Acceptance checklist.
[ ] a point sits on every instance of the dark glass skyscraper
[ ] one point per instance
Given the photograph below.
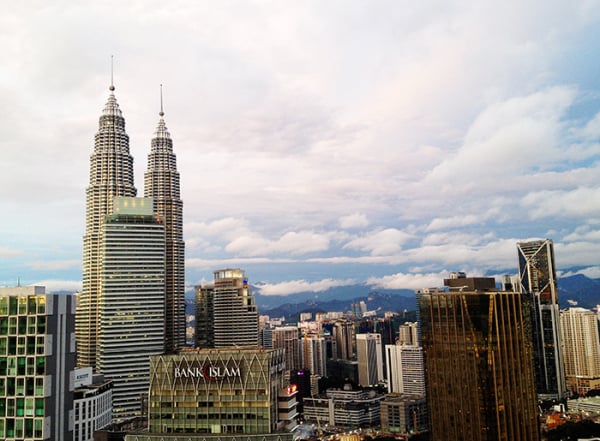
(478, 361)
(111, 175)
(537, 276)
(161, 182)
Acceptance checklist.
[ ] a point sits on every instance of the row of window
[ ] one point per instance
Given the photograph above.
(13, 366)
(21, 407)
(23, 325)
(20, 428)
(22, 305)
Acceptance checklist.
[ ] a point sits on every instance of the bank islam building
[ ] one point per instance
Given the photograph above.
(234, 394)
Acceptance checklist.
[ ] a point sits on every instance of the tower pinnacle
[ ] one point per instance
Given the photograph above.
(161, 113)
(112, 85)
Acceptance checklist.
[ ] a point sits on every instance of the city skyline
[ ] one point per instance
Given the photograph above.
(318, 144)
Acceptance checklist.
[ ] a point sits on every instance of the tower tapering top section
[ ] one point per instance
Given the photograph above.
(161, 131)
(111, 108)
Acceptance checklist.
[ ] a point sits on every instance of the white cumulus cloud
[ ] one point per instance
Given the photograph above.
(296, 286)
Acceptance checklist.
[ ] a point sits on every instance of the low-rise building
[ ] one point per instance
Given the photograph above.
(344, 408)
(404, 414)
(92, 403)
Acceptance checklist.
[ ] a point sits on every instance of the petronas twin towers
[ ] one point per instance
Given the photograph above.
(111, 177)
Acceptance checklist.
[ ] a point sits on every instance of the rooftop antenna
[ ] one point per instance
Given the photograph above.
(112, 86)
(161, 114)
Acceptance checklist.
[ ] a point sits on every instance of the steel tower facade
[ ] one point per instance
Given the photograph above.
(161, 182)
(537, 276)
(111, 175)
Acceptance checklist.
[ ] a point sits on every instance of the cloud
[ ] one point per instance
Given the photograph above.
(583, 233)
(213, 264)
(297, 286)
(355, 220)
(409, 281)
(578, 202)
(54, 265)
(510, 137)
(335, 137)
(592, 272)
(8, 253)
(301, 242)
(380, 243)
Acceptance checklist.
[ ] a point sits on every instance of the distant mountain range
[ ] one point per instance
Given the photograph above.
(578, 288)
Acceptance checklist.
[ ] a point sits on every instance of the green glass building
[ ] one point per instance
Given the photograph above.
(37, 355)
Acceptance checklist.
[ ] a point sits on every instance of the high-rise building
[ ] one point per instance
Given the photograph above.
(313, 354)
(161, 182)
(205, 334)
(537, 278)
(370, 359)
(286, 337)
(579, 329)
(111, 175)
(37, 359)
(132, 301)
(479, 363)
(408, 334)
(226, 314)
(405, 369)
(343, 332)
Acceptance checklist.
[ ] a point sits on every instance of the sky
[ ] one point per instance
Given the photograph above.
(319, 143)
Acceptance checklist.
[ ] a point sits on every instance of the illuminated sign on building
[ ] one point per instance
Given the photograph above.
(208, 372)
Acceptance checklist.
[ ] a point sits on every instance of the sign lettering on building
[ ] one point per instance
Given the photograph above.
(208, 372)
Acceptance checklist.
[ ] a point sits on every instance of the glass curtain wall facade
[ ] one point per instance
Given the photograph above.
(478, 360)
(537, 277)
(37, 356)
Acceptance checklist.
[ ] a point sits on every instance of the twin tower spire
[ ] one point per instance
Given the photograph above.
(111, 176)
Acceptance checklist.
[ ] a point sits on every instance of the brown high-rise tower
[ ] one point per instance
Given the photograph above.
(479, 363)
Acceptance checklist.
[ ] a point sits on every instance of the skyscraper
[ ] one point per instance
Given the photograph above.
(343, 332)
(370, 359)
(161, 182)
(537, 277)
(287, 337)
(111, 175)
(226, 313)
(405, 369)
(478, 358)
(579, 328)
(205, 332)
(408, 334)
(313, 354)
(132, 301)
